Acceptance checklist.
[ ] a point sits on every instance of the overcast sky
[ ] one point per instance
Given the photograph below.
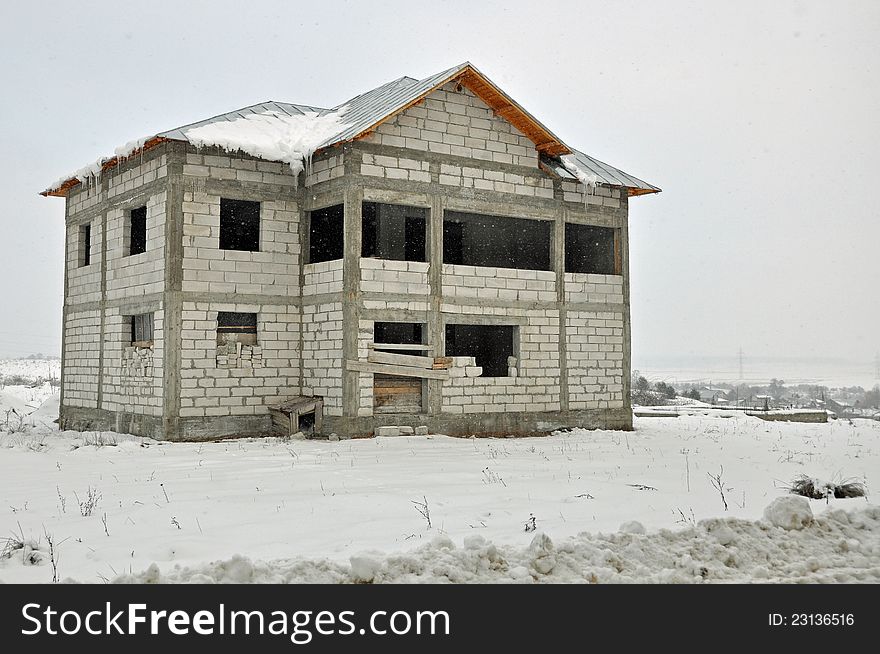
(760, 121)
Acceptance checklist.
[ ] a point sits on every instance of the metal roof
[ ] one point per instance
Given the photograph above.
(607, 174)
(364, 112)
(179, 133)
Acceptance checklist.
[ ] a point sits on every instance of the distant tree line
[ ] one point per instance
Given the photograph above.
(646, 393)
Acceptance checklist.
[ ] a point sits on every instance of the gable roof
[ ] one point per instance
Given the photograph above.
(365, 112)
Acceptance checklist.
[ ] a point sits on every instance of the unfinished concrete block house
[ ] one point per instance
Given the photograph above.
(425, 254)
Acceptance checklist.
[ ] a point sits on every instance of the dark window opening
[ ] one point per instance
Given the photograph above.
(398, 333)
(236, 328)
(591, 249)
(85, 244)
(239, 225)
(142, 330)
(490, 345)
(496, 241)
(137, 231)
(326, 229)
(391, 231)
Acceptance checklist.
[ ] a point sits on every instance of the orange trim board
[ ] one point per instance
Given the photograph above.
(61, 191)
(498, 101)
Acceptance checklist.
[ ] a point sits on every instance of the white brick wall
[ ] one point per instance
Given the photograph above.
(324, 277)
(457, 123)
(140, 274)
(386, 276)
(274, 270)
(83, 197)
(582, 287)
(211, 390)
(366, 330)
(536, 388)
(322, 354)
(499, 283)
(133, 377)
(82, 333)
(324, 170)
(134, 178)
(84, 282)
(595, 360)
(600, 196)
(495, 180)
(231, 167)
(412, 169)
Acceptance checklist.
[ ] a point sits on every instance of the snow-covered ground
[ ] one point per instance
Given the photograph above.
(269, 510)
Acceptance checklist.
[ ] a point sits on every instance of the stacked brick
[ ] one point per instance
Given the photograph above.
(322, 354)
(499, 283)
(595, 359)
(582, 287)
(211, 389)
(396, 277)
(456, 122)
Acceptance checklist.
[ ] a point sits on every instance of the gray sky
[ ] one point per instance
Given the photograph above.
(759, 120)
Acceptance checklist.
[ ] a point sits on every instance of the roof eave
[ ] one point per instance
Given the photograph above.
(62, 189)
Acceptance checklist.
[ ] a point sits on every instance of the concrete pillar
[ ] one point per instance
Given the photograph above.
(436, 335)
(172, 297)
(558, 258)
(627, 324)
(351, 284)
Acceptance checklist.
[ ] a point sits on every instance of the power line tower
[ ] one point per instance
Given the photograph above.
(877, 366)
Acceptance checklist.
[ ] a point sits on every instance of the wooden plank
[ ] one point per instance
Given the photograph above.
(396, 394)
(399, 346)
(388, 369)
(400, 359)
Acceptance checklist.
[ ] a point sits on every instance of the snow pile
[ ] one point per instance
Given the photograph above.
(272, 135)
(790, 546)
(93, 170)
(585, 177)
(789, 512)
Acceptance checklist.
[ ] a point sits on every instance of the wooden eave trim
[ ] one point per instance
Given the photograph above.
(61, 191)
(497, 100)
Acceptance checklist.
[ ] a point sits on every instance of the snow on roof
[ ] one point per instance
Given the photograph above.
(272, 135)
(93, 170)
(292, 133)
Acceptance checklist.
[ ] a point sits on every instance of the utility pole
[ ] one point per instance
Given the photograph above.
(740, 364)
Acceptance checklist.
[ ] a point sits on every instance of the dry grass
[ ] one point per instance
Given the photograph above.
(822, 490)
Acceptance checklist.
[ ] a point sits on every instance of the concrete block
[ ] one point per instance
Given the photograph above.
(333, 437)
(457, 372)
(511, 362)
(473, 371)
(421, 430)
(405, 430)
(387, 431)
(461, 362)
(512, 372)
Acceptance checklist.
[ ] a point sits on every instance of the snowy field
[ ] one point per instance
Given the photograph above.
(606, 506)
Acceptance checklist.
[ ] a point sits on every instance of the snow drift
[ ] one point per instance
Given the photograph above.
(789, 546)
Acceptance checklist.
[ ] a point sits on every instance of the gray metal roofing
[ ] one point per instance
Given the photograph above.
(365, 110)
(607, 174)
(179, 133)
